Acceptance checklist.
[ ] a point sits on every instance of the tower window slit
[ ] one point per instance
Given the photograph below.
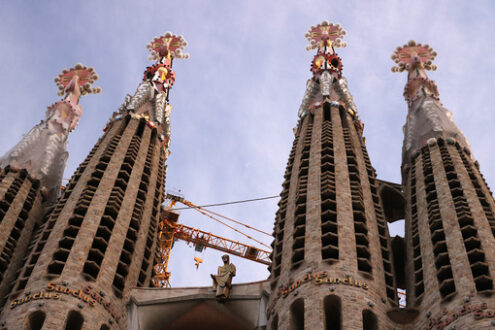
(481, 195)
(343, 118)
(333, 312)
(36, 320)
(327, 114)
(74, 321)
(364, 258)
(442, 259)
(469, 232)
(102, 237)
(297, 314)
(282, 212)
(329, 239)
(65, 245)
(274, 323)
(370, 321)
(300, 212)
(119, 281)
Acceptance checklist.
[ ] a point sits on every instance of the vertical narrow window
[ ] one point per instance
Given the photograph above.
(274, 324)
(74, 321)
(333, 312)
(343, 118)
(36, 320)
(370, 321)
(297, 314)
(327, 113)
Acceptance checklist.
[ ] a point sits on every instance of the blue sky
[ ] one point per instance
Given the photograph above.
(235, 100)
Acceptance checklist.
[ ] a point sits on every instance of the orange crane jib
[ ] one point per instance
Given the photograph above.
(170, 230)
(199, 237)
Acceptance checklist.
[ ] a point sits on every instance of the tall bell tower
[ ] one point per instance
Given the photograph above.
(331, 263)
(450, 219)
(31, 172)
(99, 241)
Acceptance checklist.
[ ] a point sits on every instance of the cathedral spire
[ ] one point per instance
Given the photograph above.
(151, 100)
(427, 118)
(42, 151)
(330, 223)
(449, 214)
(327, 70)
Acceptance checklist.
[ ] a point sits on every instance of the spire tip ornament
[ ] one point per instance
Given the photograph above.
(412, 55)
(325, 34)
(79, 75)
(326, 67)
(168, 45)
(151, 100)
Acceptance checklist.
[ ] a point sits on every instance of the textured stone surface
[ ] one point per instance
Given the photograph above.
(129, 154)
(21, 211)
(437, 310)
(287, 312)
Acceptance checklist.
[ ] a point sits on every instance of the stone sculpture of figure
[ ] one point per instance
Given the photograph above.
(222, 282)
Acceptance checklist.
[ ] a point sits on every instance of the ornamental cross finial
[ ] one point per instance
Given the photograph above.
(413, 55)
(77, 80)
(168, 45)
(324, 35)
(415, 58)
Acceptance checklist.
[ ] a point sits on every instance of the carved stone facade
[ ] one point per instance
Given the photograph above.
(98, 241)
(100, 238)
(86, 260)
(450, 219)
(331, 263)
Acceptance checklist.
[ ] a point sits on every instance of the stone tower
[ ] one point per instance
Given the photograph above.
(331, 263)
(31, 172)
(450, 220)
(99, 240)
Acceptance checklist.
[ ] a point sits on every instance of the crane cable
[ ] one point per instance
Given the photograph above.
(225, 217)
(227, 203)
(235, 221)
(197, 208)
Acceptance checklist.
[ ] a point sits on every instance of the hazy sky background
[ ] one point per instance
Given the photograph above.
(235, 100)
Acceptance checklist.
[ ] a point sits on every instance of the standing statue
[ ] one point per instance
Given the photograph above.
(222, 282)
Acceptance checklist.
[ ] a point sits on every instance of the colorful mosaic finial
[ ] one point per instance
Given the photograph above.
(415, 58)
(327, 71)
(151, 100)
(169, 45)
(325, 34)
(411, 55)
(80, 75)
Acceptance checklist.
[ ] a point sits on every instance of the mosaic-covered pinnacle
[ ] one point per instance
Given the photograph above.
(43, 150)
(325, 34)
(80, 78)
(413, 55)
(168, 45)
(427, 119)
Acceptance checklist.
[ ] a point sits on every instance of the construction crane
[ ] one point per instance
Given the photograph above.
(171, 230)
